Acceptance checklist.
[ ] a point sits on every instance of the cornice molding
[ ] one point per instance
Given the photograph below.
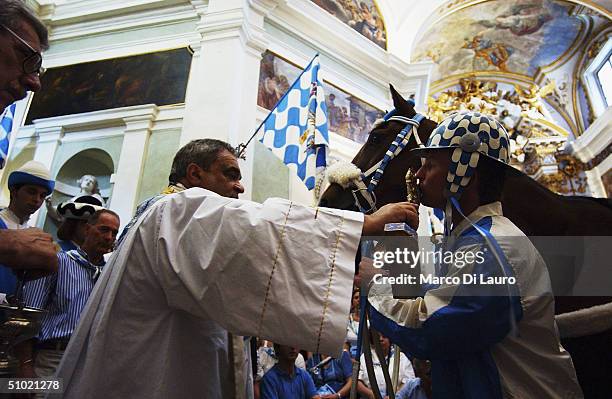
(593, 140)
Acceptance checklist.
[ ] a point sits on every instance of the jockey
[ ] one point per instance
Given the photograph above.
(488, 325)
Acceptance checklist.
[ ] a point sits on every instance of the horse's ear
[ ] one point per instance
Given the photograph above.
(397, 98)
(400, 104)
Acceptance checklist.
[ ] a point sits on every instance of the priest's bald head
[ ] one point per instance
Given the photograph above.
(210, 164)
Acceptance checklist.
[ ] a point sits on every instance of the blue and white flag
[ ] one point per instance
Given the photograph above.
(6, 125)
(296, 129)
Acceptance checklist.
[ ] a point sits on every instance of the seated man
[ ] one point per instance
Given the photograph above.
(406, 373)
(419, 387)
(266, 359)
(332, 376)
(64, 294)
(285, 380)
(28, 187)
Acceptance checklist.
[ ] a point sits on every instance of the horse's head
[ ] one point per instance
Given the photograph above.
(392, 186)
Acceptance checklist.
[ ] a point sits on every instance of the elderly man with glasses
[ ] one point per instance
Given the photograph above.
(22, 38)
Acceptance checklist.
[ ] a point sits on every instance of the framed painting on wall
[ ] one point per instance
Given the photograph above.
(156, 78)
(347, 115)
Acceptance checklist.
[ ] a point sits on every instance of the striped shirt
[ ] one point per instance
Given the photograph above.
(63, 294)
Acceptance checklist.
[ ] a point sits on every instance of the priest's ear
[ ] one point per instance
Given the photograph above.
(194, 176)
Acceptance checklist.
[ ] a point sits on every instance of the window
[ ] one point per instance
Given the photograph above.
(604, 78)
(597, 78)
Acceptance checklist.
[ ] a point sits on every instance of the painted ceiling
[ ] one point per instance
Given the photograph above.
(516, 37)
(362, 15)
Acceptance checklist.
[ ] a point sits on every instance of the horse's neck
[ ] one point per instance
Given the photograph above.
(533, 208)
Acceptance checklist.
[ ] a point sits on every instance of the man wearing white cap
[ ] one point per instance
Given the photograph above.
(28, 185)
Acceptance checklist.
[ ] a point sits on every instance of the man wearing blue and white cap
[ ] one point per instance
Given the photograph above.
(487, 324)
(28, 186)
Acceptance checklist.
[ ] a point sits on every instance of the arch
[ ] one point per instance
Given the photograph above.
(91, 161)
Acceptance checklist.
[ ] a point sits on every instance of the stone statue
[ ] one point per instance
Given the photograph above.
(88, 185)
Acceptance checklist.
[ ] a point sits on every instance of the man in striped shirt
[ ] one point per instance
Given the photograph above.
(64, 295)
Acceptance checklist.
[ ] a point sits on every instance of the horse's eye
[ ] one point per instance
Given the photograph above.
(373, 139)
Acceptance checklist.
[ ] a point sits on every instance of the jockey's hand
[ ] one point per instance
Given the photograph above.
(374, 224)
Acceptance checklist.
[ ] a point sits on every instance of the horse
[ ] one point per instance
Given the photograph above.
(536, 210)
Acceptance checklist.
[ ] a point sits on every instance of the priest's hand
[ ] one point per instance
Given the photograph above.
(374, 224)
(28, 249)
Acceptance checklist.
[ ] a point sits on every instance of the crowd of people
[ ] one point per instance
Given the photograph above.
(197, 269)
(282, 371)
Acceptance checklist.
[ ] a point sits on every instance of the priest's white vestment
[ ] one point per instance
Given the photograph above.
(195, 265)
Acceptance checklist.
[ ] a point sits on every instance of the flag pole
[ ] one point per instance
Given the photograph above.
(241, 149)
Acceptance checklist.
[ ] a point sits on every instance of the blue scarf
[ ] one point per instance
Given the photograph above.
(80, 257)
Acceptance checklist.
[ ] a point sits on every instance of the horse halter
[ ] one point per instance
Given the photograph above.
(364, 195)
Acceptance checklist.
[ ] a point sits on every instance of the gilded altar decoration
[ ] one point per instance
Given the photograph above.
(484, 96)
(537, 143)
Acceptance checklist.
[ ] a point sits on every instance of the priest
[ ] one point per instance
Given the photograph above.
(196, 263)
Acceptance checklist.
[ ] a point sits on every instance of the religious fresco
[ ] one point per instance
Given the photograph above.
(361, 15)
(516, 37)
(347, 115)
(114, 83)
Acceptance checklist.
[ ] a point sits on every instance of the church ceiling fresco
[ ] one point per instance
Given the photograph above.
(507, 37)
(361, 15)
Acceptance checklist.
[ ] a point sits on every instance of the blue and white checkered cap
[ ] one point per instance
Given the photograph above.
(471, 134)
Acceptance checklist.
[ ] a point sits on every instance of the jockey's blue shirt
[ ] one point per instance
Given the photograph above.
(484, 341)
(9, 221)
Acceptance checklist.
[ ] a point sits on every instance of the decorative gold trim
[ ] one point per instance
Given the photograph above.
(553, 126)
(580, 65)
(359, 33)
(452, 80)
(278, 250)
(458, 7)
(380, 14)
(329, 282)
(566, 117)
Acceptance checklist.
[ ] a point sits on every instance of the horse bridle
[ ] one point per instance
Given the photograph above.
(364, 195)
